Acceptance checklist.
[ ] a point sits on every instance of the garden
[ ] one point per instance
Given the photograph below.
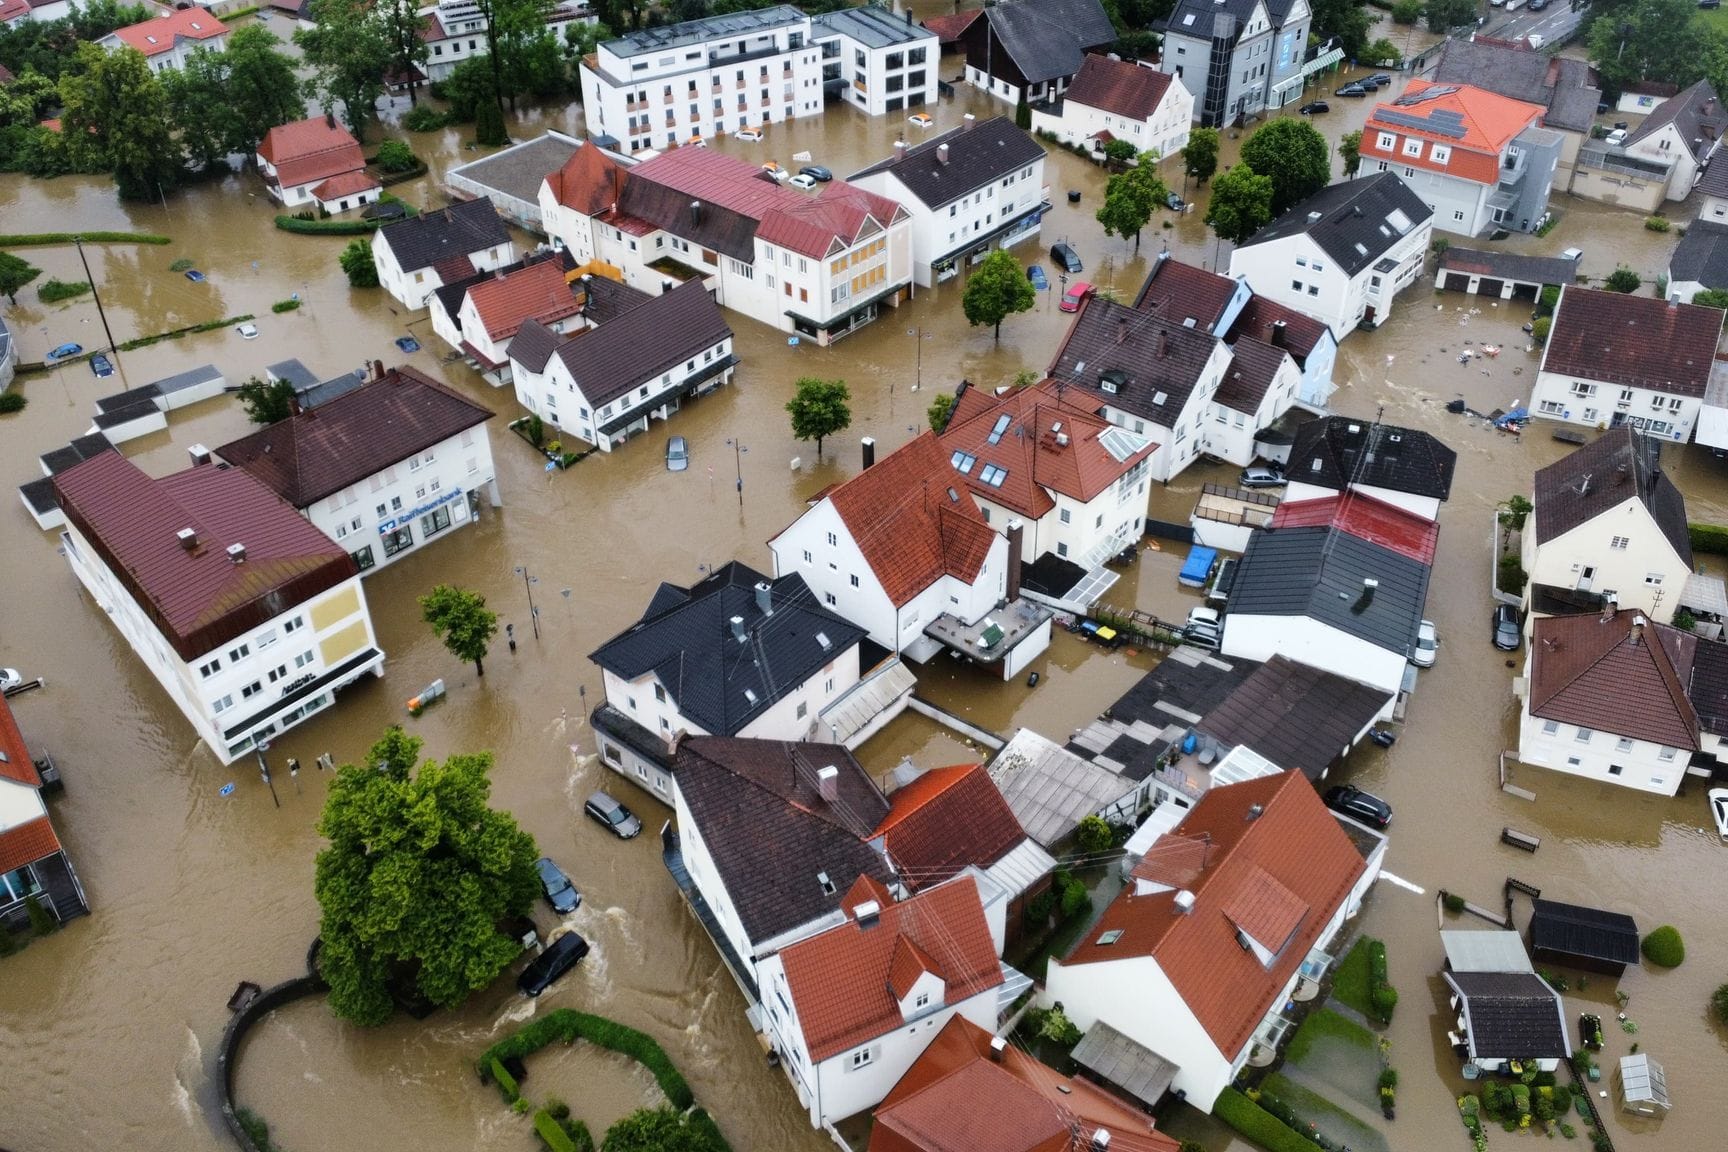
(533, 430)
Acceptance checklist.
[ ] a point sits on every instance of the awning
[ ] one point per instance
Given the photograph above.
(1130, 1066)
(1705, 593)
(867, 699)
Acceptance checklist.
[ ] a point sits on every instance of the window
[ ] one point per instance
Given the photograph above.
(833, 540)
(1412, 147)
(363, 558)
(303, 659)
(1458, 214)
(1387, 141)
(222, 705)
(1615, 769)
(1440, 153)
(292, 624)
(1654, 579)
(434, 522)
(803, 710)
(806, 555)
(992, 475)
(923, 1000)
(1549, 727)
(660, 693)
(398, 540)
(1409, 173)
(209, 667)
(861, 1058)
(236, 654)
(1061, 549)
(1666, 754)
(251, 690)
(1620, 542)
(854, 581)
(1623, 745)
(1584, 735)
(829, 597)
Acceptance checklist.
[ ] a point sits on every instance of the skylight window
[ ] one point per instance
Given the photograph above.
(750, 695)
(822, 639)
(963, 461)
(1001, 427)
(1399, 220)
(1111, 936)
(992, 475)
(1362, 249)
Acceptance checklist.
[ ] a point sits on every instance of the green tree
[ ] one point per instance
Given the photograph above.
(1129, 199)
(1241, 204)
(1663, 947)
(1094, 835)
(1650, 40)
(1200, 157)
(1540, 327)
(1350, 151)
(656, 1130)
(1347, 20)
(1119, 151)
(1023, 114)
(42, 921)
(1294, 156)
(1445, 15)
(266, 402)
(198, 105)
(115, 114)
(1711, 298)
(348, 54)
(357, 262)
(262, 89)
(396, 156)
(998, 288)
(489, 127)
(1622, 279)
(819, 409)
(461, 619)
(1719, 1003)
(419, 874)
(1383, 53)
(1406, 12)
(401, 22)
(15, 274)
(940, 409)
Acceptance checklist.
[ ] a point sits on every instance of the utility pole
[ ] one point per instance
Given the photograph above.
(528, 583)
(738, 451)
(94, 291)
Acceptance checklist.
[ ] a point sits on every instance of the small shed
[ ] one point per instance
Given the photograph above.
(1643, 1087)
(1580, 937)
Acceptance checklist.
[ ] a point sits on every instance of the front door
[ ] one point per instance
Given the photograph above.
(1586, 576)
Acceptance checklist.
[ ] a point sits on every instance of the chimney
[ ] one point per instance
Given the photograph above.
(868, 444)
(1121, 329)
(968, 120)
(765, 597)
(828, 784)
(1163, 344)
(1100, 1141)
(1313, 216)
(1016, 533)
(1184, 901)
(899, 150)
(377, 369)
(1278, 334)
(695, 211)
(200, 455)
(674, 740)
(997, 1047)
(237, 553)
(738, 629)
(188, 538)
(1061, 439)
(1637, 633)
(941, 153)
(867, 914)
(330, 120)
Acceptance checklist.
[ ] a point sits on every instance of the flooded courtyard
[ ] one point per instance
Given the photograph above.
(107, 1030)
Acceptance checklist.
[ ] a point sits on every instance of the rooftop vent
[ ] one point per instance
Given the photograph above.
(200, 455)
(750, 695)
(1313, 216)
(827, 884)
(1061, 439)
(237, 553)
(1370, 582)
(828, 783)
(867, 913)
(1255, 811)
(967, 120)
(738, 629)
(822, 639)
(188, 538)
(941, 153)
(1101, 1140)
(997, 1047)
(1158, 398)
(1184, 901)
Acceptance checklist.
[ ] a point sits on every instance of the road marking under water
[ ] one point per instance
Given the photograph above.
(1402, 883)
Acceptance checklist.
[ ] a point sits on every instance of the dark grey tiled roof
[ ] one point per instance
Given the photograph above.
(1580, 931)
(1048, 39)
(1253, 366)
(1161, 360)
(1509, 265)
(1336, 451)
(686, 640)
(1295, 715)
(1511, 1015)
(771, 835)
(717, 227)
(533, 345)
(1701, 255)
(1714, 182)
(1351, 221)
(461, 228)
(644, 343)
(1708, 689)
(1195, 17)
(1587, 482)
(979, 155)
(1559, 84)
(1318, 572)
(1696, 114)
(608, 299)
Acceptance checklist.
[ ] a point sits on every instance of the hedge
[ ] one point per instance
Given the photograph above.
(35, 239)
(568, 1025)
(55, 291)
(501, 1077)
(1259, 1125)
(1709, 538)
(553, 1133)
(328, 227)
(207, 326)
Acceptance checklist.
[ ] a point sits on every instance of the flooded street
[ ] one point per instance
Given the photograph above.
(107, 1030)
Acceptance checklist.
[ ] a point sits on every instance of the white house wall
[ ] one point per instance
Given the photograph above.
(700, 864)
(1596, 404)
(1308, 641)
(1164, 132)
(941, 229)
(1636, 573)
(1294, 272)
(1601, 756)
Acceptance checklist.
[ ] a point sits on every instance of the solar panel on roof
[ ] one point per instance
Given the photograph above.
(1441, 121)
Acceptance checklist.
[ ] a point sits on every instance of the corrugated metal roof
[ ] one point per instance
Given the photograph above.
(1470, 951)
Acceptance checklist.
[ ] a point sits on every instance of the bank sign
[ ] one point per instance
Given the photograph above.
(385, 527)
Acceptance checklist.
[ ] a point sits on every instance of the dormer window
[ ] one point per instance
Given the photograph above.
(828, 888)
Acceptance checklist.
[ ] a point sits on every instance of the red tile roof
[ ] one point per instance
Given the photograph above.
(946, 819)
(840, 979)
(1031, 451)
(199, 598)
(10, 10)
(949, 28)
(1118, 87)
(454, 268)
(15, 763)
(1295, 841)
(1365, 518)
(1615, 675)
(590, 181)
(311, 150)
(837, 217)
(1489, 122)
(906, 965)
(346, 184)
(1183, 292)
(540, 291)
(903, 521)
(27, 843)
(1634, 341)
(154, 37)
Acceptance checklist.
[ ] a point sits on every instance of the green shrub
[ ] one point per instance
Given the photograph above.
(1058, 1029)
(1540, 329)
(1259, 1125)
(1075, 899)
(552, 1133)
(557, 1108)
(422, 118)
(7, 944)
(181, 264)
(1548, 300)
(1515, 511)
(1453, 902)
(1709, 538)
(1093, 835)
(1377, 962)
(315, 227)
(500, 1076)
(256, 1129)
(285, 306)
(583, 1139)
(1388, 1077)
(54, 291)
(1719, 1003)
(1664, 948)
(1510, 576)
(1568, 1131)
(1684, 620)
(37, 239)
(536, 431)
(707, 1131)
(395, 156)
(1406, 11)
(1038, 909)
(1655, 224)
(42, 921)
(569, 1026)
(11, 402)
(1385, 1000)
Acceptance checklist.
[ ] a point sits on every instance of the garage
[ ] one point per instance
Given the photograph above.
(1502, 275)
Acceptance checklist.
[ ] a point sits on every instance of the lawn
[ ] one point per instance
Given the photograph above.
(1331, 1121)
(1351, 981)
(1323, 1024)
(1334, 1051)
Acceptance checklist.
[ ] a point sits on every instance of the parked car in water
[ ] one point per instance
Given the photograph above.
(775, 171)
(817, 173)
(1359, 805)
(9, 679)
(1261, 476)
(1065, 256)
(921, 119)
(101, 365)
(677, 454)
(194, 275)
(1427, 645)
(1204, 629)
(248, 331)
(1381, 79)
(65, 351)
(1040, 282)
(1175, 203)
(1314, 108)
(1351, 90)
(559, 957)
(1075, 296)
(747, 134)
(802, 181)
(618, 819)
(556, 886)
(1507, 634)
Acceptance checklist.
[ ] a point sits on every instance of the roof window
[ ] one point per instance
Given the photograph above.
(993, 475)
(828, 888)
(1110, 937)
(1001, 427)
(963, 461)
(750, 695)
(822, 639)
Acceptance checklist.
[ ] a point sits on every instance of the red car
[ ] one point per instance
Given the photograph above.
(1076, 295)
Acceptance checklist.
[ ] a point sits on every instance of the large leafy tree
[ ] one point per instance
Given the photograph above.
(1655, 40)
(198, 104)
(1350, 151)
(360, 265)
(658, 1130)
(48, 46)
(462, 620)
(819, 408)
(1347, 21)
(15, 274)
(1130, 198)
(115, 113)
(267, 402)
(348, 53)
(262, 89)
(1294, 156)
(401, 22)
(1241, 204)
(1445, 15)
(996, 290)
(1200, 156)
(419, 874)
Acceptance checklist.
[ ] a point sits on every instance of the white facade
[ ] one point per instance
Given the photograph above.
(240, 677)
(413, 287)
(880, 78)
(1600, 404)
(1230, 434)
(1087, 533)
(1427, 507)
(460, 34)
(1312, 642)
(1295, 272)
(1668, 147)
(1183, 442)
(1621, 550)
(1165, 131)
(168, 59)
(1603, 756)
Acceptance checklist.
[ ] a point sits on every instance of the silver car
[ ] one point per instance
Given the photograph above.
(618, 819)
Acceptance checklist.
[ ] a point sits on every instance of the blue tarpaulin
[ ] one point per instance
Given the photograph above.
(1198, 566)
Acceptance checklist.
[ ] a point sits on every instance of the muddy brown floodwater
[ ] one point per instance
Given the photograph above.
(107, 1030)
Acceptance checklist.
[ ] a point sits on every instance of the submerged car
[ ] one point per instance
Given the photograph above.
(803, 181)
(922, 119)
(677, 454)
(1314, 108)
(1204, 629)
(1507, 634)
(248, 331)
(1040, 282)
(1427, 645)
(1077, 294)
(65, 350)
(101, 365)
(619, 820)
(1359, 805)
(1175, 203)
(748, 134)
(194, 275)
(1261, 476)
(556, 886)
(1351, 90)
(816, 172)
(1065, 256)
(9, 679)
(559, 957)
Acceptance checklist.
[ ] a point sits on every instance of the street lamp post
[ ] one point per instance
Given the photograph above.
(264, 770)
(528, 583)
(94, 291)
(738, 450)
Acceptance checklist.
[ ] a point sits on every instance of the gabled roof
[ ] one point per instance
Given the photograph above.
(644, 343)
(839, 216)
(1294, 715)
(687, 641)
(199, 598)
(1623, 464)
(977, 156)
(910, 530)
(15, 762)
(1251, 372)
(540, 292)
(1184, 293)
(1475, 123)
(311, 150)
(1588, 932)
(1511, 1015)
(1288, 864)
(1708, 688)
(1046, 444)
(949, 28)
(449, 233)
(1340, 451)
(154, 37)
(345, 184)
(1696, 115)
(1048, 39)
(1508, 265)
(1561, 84)
(840, 980)
(759, 810)
(589, 182)
(945, 820)
(315, 453)
(1279, 325)
(1355, 222)
(1633, 341)
(1620, 674)
(1702, 253)
(1152, 361)
(27, 843)
(1119, 87)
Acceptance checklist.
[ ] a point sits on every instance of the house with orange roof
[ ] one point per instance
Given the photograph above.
(850, 1009)
(33, 863)
(973, 1090)
(1481, 161)
(905, 551)
(316, 161)
(167, 41)
(494, 309)
(1224, 918)
(818, 264)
